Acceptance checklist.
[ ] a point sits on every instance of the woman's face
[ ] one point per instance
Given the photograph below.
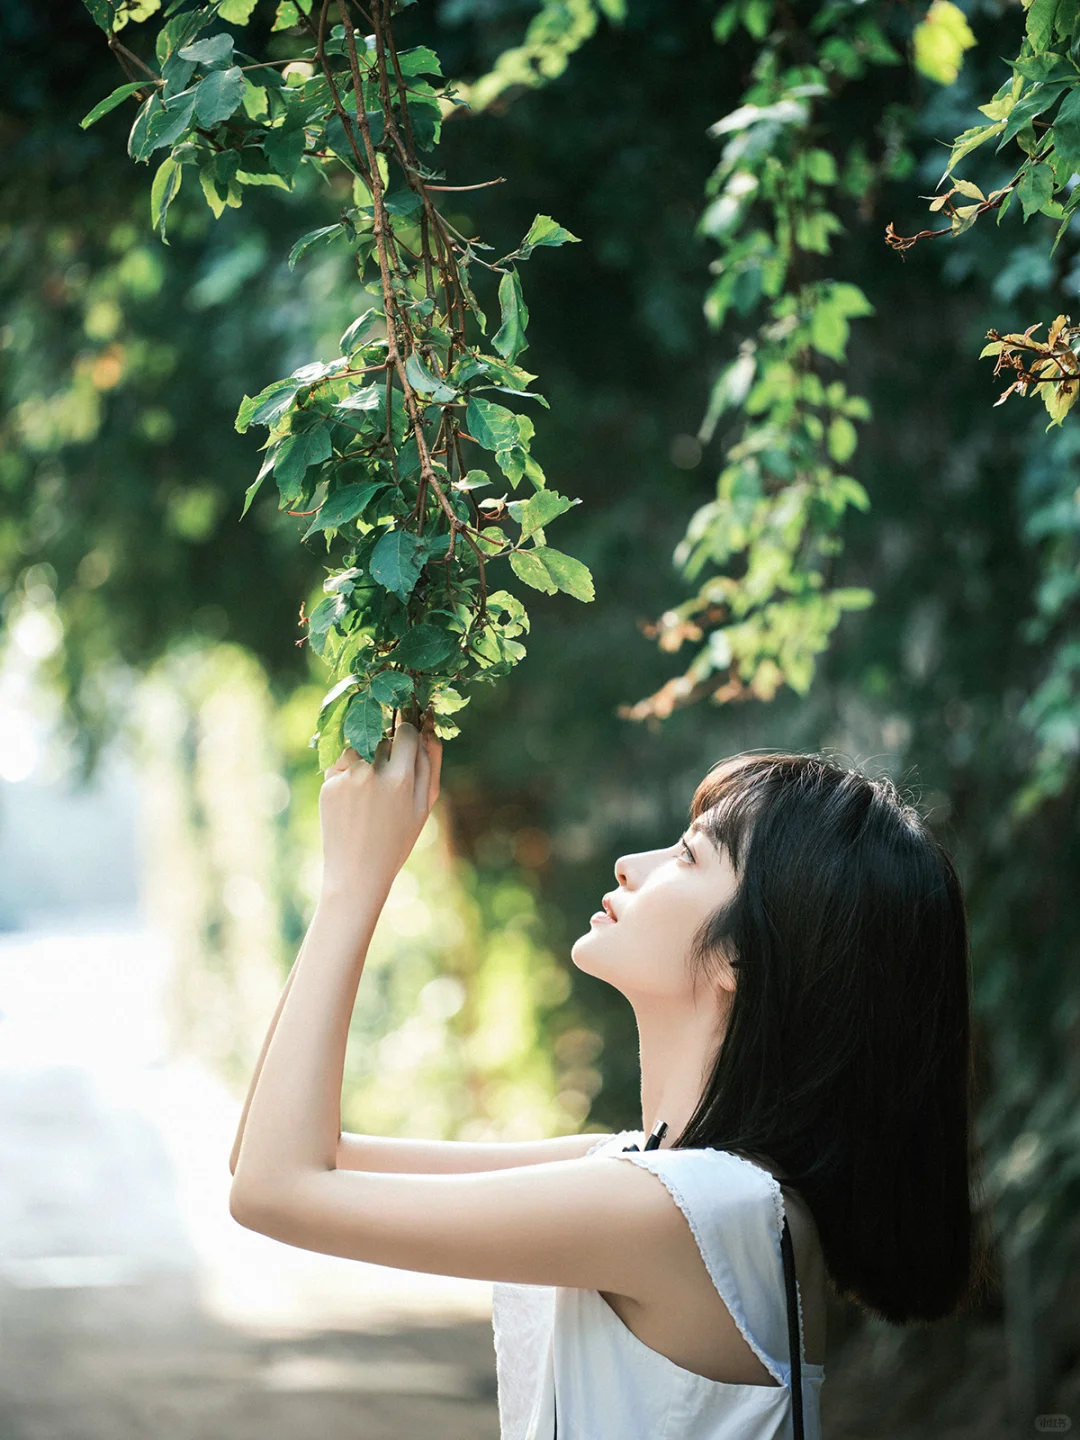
(641, 941)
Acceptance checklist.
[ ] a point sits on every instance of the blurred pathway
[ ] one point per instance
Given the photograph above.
(131, 1304)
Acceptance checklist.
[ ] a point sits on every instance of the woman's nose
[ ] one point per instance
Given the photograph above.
(629, 869)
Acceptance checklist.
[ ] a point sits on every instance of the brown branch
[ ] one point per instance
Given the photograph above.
(905, 242)
(680, 692)
(123, 51)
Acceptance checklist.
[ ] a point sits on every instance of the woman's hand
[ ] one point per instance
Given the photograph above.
(371, 815)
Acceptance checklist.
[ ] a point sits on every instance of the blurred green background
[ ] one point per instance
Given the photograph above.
(134, 595)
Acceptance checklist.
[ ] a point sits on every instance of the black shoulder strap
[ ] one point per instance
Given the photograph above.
(788, 1254)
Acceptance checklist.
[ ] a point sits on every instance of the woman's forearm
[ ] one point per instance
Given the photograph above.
(293, 1120)
(370, 815)
(259, 1063)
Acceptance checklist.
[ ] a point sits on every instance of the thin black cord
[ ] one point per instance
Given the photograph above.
(788, 1254)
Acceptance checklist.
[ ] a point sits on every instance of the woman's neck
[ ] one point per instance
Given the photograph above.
(677, 1050)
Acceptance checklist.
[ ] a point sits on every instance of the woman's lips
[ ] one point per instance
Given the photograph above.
(605, 916)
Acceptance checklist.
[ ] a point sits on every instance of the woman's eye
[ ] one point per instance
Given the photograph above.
(689, 854)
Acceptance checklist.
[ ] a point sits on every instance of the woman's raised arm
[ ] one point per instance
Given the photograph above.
(405, 1156)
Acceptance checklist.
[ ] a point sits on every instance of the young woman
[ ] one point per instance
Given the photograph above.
(797, 963)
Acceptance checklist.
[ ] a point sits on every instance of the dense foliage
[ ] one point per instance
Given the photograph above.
(375, 444)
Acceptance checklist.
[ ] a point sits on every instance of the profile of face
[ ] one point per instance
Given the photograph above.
(641, 940)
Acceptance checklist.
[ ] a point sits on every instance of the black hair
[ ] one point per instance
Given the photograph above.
(847, 1055)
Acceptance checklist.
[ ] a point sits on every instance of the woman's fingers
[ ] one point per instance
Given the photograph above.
(344, 762)
(426, 776)
(410, 753)
(422, 778)
(382, 756)
(403, 755)
(433, 750)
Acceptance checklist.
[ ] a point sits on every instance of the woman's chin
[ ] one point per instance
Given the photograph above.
(581, 949)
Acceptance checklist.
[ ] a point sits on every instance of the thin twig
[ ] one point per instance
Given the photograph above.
(481, 186)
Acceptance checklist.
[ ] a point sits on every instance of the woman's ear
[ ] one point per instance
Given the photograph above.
(722, 971)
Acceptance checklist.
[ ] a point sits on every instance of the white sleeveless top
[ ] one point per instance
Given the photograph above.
(610, 1384)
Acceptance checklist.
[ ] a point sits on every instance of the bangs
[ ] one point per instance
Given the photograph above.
(729, 799)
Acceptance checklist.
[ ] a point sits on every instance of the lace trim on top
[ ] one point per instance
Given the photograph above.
(780, 1215)
(643, 1159)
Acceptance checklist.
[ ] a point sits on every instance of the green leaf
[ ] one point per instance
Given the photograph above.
(176, 74)
(535, 513)
(392, 687)
(729, 391)
(1047, 66)
(236, 12)
(253, 489)
(846, 489)
(423, 647)
(568, 574)
(323, 232)
(510, 340)
(1067, 133)
(323, 618)
(367, 398)
(397, 560)
(842, 439)
(357, 332)
(363, 727)
(344, 505)
(516, 619)
(213, 53)
(836, 302)
(421, 379)
(466, 290)
(268, 406)
(284, 146)
(1036, 186)
(297, 452)
(219, 95)
(474, 480)
(103, 13)
(1037, 99)
(940, 40)
(140, 127)
(1040, 23)
(111, 101)
(165, 125)
(336, 693)
(163, 192)
(492, 426)
(852, 598)
(544, 231)
(419, 61)
(492, 540)
(447, 701)
(330, 740)
(527, 566)
(970, 140)
(512, 463)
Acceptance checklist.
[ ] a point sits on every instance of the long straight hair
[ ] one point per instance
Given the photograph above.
(847, 1056)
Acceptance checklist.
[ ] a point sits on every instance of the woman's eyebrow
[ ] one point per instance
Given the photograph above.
(697, 827)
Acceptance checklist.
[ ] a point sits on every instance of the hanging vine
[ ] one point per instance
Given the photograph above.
(387, 446)
(763, 553)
